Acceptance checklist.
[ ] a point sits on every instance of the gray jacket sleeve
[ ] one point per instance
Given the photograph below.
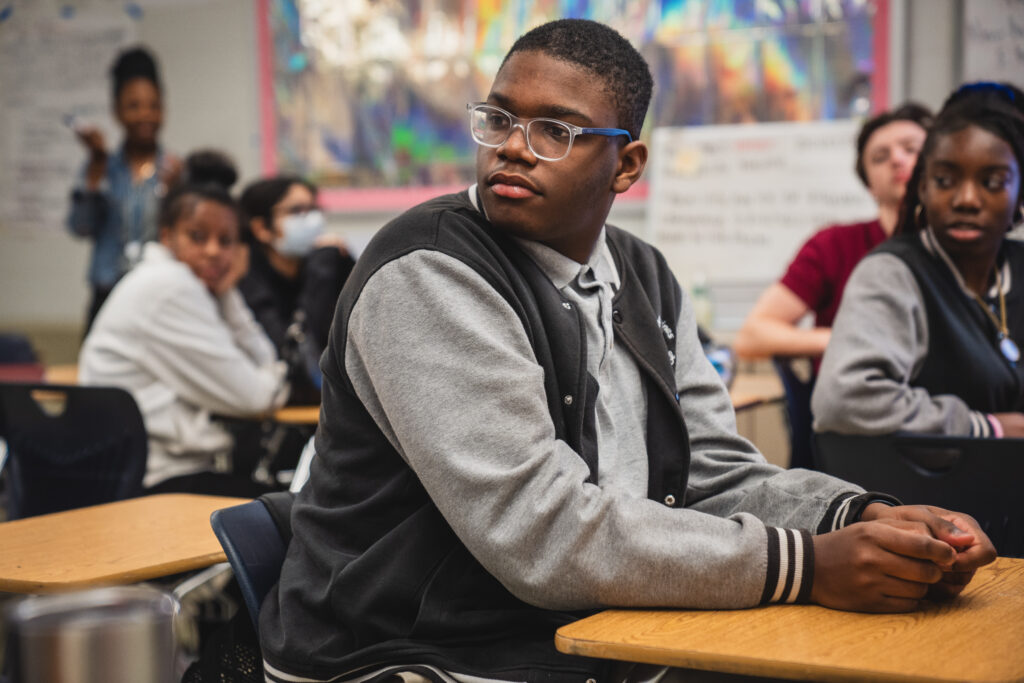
(879, 343)
(443, 365)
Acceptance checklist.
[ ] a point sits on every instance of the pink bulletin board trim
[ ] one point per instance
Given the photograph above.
(268, 123)
(880, 48)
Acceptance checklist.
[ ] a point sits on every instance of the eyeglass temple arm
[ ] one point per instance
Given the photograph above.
(611, 132)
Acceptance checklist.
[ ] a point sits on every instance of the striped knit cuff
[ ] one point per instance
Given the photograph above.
(790, 566)
(848, 507)
(997, 426)
(980, 426)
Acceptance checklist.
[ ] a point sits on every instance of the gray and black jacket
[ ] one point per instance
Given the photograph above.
(454, 515)
(912, 350)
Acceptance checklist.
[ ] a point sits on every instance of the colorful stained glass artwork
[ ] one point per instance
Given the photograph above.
(368, 93)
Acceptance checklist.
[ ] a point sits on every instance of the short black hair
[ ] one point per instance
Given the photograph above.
(132, 63)
(990, 106)
(605, 53)
(259, 198)
(910, 111)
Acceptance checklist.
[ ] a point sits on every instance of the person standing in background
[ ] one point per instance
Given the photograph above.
(887, 148)
(296, 272)
(117, 194)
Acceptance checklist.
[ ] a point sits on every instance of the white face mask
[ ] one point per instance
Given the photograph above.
(299, 233)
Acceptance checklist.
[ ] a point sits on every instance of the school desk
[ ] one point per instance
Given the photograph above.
(115, 543)
(62, 374)
(978, 636)
(749, 391)
(297, 415)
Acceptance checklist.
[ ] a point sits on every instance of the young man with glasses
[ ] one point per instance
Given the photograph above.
(519, 426)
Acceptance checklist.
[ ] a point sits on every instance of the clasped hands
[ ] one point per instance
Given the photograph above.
(895, 557)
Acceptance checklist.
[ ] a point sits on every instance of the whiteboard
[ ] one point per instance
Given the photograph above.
(736, 202)
(53, 64)
(993, 41)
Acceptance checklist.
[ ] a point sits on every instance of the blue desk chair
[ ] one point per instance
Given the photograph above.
(255, 538)
(981, 477)
(69, 446)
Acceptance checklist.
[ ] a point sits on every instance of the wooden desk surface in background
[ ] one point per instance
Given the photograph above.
(753, 390)
(123, 542)
(977, 637)
(61, 374)
(298, 415)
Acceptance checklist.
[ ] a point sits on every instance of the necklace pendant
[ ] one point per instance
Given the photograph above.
(1009, 349)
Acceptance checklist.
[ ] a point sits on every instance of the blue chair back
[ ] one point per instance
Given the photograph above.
(798, 411)
(981, 477)
(16, 349)
(89, 448)
(255, 538)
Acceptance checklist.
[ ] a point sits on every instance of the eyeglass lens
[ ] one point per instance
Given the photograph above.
(547, 138)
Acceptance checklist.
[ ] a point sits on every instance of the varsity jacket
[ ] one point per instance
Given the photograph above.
(912, 350)
(454, 515)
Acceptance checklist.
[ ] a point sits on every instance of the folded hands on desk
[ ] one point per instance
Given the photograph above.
(897, 557)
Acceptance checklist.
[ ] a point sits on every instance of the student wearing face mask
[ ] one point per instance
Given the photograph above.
(296, 272)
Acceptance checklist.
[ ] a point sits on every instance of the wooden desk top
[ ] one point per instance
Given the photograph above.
(61, 374)
(298, 415)
(753, 390)
(977, 637)
(123, 542)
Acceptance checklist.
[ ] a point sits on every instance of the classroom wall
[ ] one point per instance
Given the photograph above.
(208, 55)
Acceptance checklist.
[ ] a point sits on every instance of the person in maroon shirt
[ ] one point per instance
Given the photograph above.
(887, 148)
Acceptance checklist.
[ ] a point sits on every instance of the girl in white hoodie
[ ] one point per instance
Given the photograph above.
(176, 333)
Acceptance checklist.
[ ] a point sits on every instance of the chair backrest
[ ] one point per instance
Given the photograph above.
(798, 410)
(981, 477)
(70, 446)
(16, 348)
(255, 538)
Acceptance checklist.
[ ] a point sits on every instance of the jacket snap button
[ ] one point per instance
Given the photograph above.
(617, 316)
(566, 305)
(568, 399)
(670, 500)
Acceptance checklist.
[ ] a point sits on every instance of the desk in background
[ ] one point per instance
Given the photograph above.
(123, 542)
(979, 636)
(749, 391)
(61, 374)
(298, 415)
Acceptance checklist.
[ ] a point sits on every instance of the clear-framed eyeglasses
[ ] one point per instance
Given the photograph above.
(548, 139)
